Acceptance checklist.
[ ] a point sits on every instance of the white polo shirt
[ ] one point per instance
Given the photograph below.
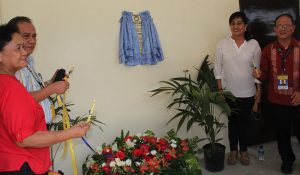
(234, 66)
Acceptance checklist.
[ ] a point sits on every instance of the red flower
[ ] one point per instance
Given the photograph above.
(169, 157)
(150, 139)
(137, 152)
(95, 167)
(162, 141)
(128, 138)
(120, 155)
(145, 149)
(186, 148)
(185, 145)
(106, 169)
(173, 152)
(143, 168)
(147, 158)
(107, 150)
(153, 164)
(162, 145)
(109, 159)
(129, 169)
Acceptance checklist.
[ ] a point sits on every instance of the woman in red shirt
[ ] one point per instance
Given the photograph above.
(24, 138)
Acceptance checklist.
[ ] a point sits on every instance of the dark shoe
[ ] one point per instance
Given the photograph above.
(287, 167)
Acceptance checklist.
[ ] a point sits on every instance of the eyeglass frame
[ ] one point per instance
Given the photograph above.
(284, 26)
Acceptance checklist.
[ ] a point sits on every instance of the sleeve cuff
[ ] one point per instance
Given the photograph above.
(257, 81)
(21, 135)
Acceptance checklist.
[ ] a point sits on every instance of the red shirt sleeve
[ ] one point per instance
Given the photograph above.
(21, 115)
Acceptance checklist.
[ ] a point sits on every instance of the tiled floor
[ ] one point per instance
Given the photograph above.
(269, 166)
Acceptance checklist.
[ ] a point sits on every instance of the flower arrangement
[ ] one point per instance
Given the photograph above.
(145, 154)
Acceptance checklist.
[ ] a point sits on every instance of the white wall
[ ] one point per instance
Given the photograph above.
(85, 34)
(1, 11)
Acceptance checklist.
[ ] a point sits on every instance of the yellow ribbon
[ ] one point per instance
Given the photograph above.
(53, 111)
(66, 125)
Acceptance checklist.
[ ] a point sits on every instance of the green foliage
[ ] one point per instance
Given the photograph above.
(206, 75)
(196, 101)
(57, 123)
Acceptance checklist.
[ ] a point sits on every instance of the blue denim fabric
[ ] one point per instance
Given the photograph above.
(129, 49)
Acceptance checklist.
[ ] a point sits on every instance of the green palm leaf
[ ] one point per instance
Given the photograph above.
(195, 101)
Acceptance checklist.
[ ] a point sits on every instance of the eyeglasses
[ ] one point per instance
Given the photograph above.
(283, 26)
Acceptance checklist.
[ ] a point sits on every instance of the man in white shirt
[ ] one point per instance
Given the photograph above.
(32, 80)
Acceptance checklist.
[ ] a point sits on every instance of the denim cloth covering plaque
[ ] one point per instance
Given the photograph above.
(135, 49)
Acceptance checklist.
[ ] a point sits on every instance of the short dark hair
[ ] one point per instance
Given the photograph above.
(6, 33)
(18, 19)
(287, 15)
(238, 14)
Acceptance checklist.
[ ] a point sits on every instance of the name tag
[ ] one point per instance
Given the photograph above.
(282, 82)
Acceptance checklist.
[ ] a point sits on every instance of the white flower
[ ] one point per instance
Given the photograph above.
(130, 144)
(128, 162)
(138, 163)
(90, 161)
(134, 140)
(119, 162)
(99, 149)
(115, 147)
(139, 134)
(153, 152)
(103, 164)
(173, 143)
(112, 164)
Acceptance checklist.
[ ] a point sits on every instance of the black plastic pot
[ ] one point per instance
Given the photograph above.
(214, 161)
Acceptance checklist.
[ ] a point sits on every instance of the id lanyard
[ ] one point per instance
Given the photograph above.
(38, 79)
(282, 78)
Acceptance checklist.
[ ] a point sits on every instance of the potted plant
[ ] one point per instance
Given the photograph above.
(196, 103)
